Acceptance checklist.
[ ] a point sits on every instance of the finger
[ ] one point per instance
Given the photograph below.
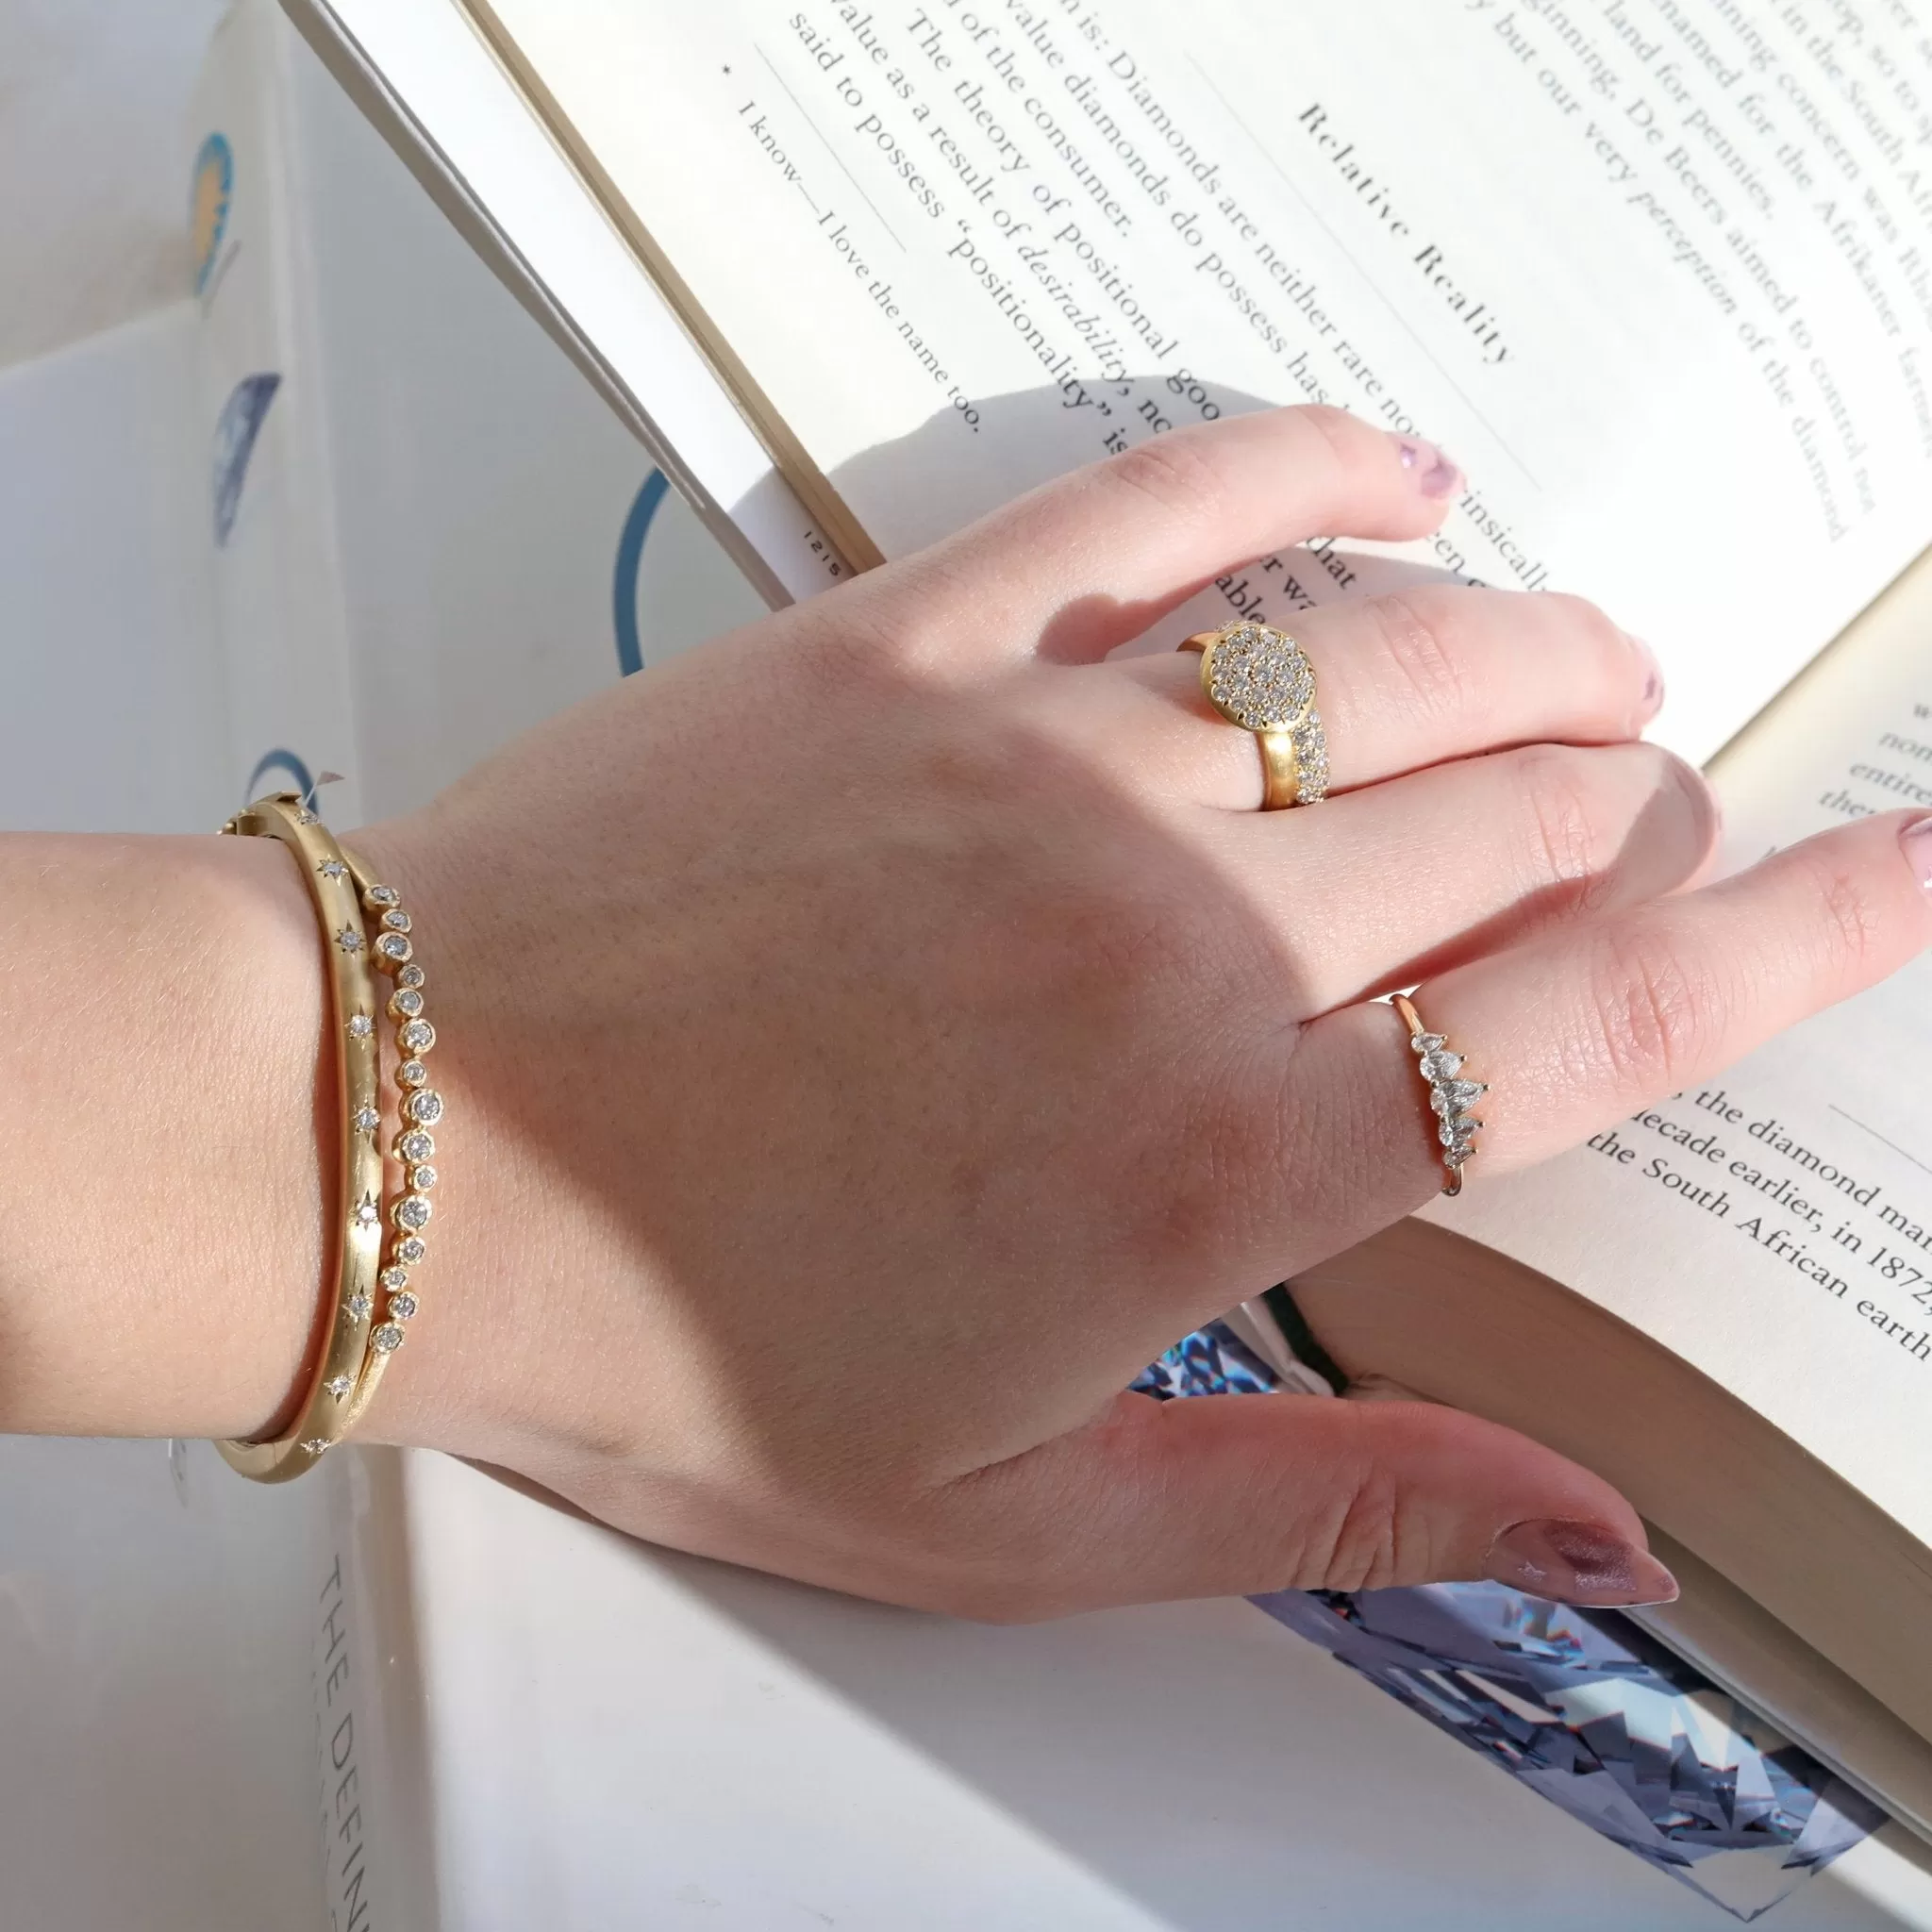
(1234, 1495)
(1404, 681)
(1574, 1032)
(1460, 860)
(1094, 558)
(1593, 1026)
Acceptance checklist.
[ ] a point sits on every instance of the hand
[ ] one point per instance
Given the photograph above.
(872, 1040)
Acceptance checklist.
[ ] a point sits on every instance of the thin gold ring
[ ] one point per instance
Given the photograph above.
(1262, 679)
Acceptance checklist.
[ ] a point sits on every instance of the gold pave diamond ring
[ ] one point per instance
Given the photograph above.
(1261, 678)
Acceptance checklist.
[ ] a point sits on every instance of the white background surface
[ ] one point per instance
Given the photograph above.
(92, 93)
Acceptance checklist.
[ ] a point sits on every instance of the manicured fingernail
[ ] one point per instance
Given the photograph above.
(1653, 699)
(1580, 1563)
(1434, 473)
(1917, 841)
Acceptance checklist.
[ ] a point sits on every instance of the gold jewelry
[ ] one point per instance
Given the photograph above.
(1450, 1096)
(1261, 678)
(349, 1363)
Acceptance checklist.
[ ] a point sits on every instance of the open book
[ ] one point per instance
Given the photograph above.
(1659, 275)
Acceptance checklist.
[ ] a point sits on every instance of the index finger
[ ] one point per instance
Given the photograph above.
(1092, 558)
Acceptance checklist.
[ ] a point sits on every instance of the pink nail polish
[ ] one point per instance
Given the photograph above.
(1435, 474)
(1582, 1563)
(1653, 699)
(1916, 842)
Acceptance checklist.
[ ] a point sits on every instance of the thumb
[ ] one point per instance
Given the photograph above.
(1235, 1496)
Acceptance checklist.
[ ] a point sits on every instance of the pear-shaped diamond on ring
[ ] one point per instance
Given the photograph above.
(1450, 1096)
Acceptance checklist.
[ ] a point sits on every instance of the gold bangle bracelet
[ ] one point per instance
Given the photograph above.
(345, 1371)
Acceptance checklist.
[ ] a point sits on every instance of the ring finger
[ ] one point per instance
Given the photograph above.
(1404, 681)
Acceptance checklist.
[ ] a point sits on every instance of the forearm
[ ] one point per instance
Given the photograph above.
(167, 1131)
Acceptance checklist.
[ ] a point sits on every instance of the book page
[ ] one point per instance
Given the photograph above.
(1656, 272)
(1775, 1226)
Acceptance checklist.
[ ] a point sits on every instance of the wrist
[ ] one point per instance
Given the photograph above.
(499, 1364)
(166, 1134)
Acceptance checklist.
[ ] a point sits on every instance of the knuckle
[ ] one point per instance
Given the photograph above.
(1590, 626)
(1339, 437)
(1851, 925)
(895, 618)
(1174, 471)
(1357, 1542)
(1563, 819)
(1418, 635)
(845, 642)
(1654, 1012)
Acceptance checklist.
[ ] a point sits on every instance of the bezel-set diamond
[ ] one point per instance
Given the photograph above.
(388, 946)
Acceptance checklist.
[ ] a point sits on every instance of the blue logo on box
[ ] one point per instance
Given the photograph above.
(235, 438)
(213, 191)
(631, 555)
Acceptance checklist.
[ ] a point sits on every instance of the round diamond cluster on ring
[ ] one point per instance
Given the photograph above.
(1259, 677)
